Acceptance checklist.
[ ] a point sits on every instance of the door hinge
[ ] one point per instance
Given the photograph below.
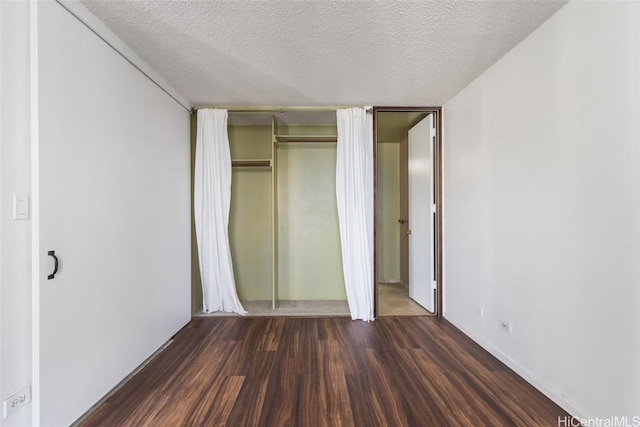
(433, 208)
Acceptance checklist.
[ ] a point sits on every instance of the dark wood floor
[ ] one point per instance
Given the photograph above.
(409, 371)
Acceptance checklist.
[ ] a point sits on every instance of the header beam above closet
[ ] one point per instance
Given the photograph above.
(275, 109)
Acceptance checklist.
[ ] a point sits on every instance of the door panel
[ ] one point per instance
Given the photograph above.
(113, 202)
(421, 202)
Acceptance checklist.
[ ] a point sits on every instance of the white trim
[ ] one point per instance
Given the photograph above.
(1, 210)
(35, 214)
(548, 390)
(75, 8)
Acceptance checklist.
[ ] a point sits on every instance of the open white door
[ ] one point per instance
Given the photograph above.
(421, 213)
(111, 177)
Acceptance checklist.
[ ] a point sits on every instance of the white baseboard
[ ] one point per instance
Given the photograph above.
(99, 403)
(548, 390)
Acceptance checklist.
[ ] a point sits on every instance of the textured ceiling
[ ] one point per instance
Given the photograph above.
(313, 52)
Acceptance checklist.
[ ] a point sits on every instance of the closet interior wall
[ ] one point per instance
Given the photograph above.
(310, 260)
(196, 280)
(250, 218)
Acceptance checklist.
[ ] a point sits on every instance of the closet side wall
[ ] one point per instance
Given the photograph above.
(196, 280)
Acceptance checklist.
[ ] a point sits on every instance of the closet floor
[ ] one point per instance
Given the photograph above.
(393, 300)
(292, 308)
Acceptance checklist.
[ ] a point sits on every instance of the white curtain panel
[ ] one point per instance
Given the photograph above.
(212, 200)
(354, 191)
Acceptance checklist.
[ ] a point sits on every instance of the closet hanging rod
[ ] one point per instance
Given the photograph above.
(251, 163)
(307, 138)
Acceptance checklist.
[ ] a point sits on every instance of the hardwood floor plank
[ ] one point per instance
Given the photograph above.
(466, 408)
(421, 394)
(409, 371)
(478, 411)
(365, 405)
(251, 398)
(282, 395)
(386, 386)
(219, 404)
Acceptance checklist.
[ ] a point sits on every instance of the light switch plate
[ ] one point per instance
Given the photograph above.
(20, 207)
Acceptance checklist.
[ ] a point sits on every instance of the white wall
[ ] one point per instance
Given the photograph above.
(15, 241)
(542, 208)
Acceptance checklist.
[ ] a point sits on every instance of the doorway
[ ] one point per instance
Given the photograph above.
(407, 249)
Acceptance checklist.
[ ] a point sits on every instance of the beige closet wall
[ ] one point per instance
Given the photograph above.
(310, 260)
(310, 257)
(250, 214)
(388, 158)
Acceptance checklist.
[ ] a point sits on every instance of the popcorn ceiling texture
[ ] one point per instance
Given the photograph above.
(321, 52)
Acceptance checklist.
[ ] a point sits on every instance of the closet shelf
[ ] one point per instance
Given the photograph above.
(251, 163)
(306, 138)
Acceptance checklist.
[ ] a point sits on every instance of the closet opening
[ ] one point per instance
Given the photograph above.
(408, 211)
(283, 223)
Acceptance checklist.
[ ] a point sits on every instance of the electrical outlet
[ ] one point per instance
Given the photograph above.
(479, 311)
(506, 326)
(20, 207)
(16, 401)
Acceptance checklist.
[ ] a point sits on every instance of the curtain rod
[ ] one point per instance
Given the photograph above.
(273, 109)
